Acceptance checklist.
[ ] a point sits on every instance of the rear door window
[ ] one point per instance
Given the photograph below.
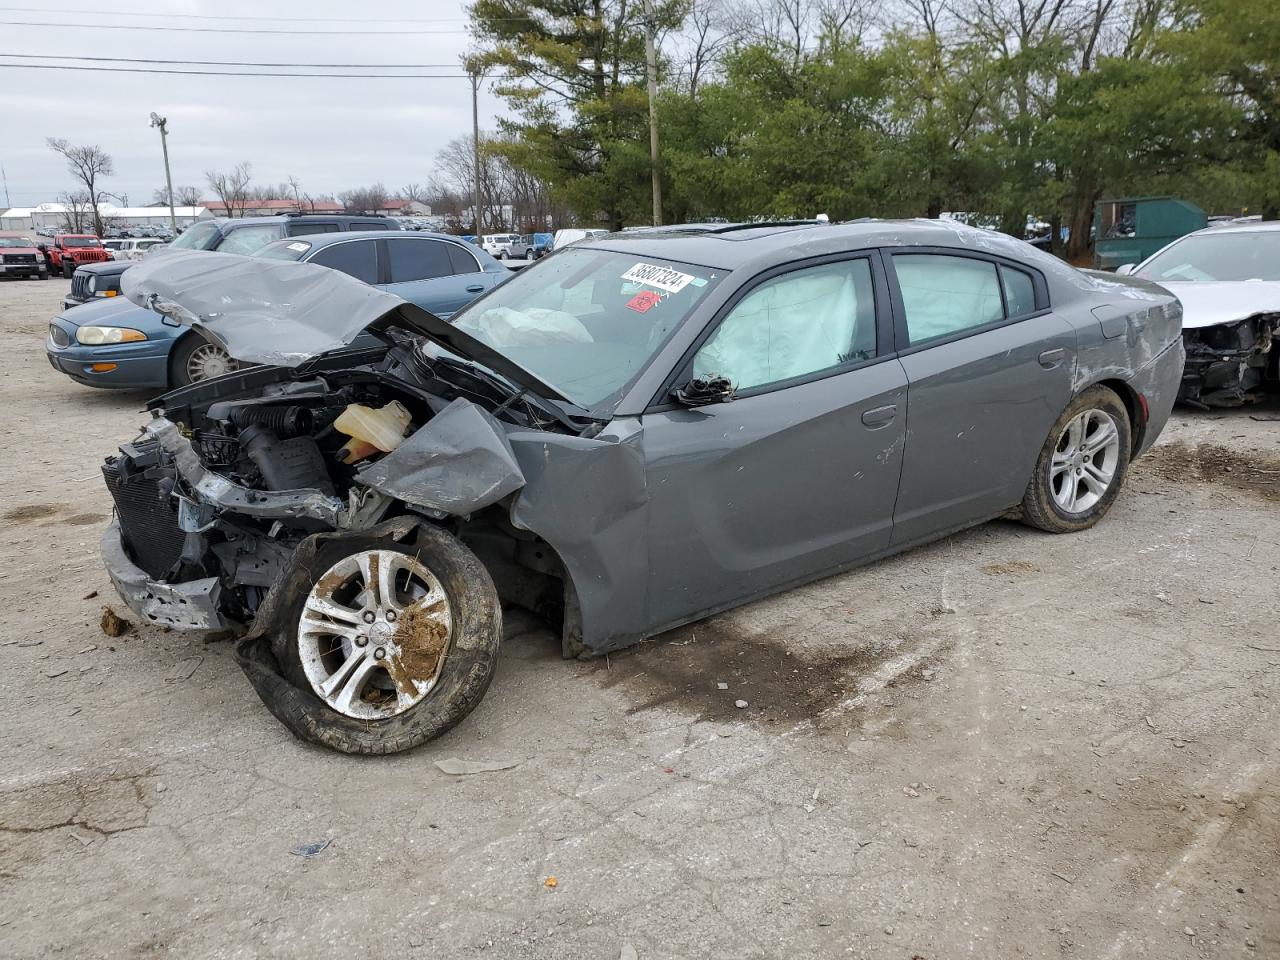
(944, 295)
(312, 227)
(356, 258)
(417, 260)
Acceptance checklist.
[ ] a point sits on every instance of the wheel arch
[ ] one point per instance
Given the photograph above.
(1133, 406)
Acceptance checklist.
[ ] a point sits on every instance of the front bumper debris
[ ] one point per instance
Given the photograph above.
(1228, 361)
(193, 605)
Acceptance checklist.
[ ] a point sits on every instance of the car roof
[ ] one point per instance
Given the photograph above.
(324, 239)
(729, 246)
(296, 218)
(1262, 226)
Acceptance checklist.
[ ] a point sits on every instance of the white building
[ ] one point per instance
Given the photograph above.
(48, 217)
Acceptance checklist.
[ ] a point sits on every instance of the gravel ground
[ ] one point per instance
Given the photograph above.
(1006, 744)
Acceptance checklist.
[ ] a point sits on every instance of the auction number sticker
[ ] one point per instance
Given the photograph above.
(664, 278)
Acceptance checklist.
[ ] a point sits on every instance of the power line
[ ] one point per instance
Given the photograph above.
(229, 73)
(289, 33)
(195, 16)
(229, 63)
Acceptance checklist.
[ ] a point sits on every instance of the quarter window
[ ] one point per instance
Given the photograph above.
(418, 260)
(461, 260)
(943, 295)
(794, 325)
(1019, 292)
(356, 259)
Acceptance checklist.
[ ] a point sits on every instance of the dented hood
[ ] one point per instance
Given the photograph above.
(1208, 303)
(283, 313)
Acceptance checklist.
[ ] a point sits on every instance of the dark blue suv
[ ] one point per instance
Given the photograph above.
(234, 235)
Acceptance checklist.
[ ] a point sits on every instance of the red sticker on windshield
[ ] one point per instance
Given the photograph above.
(644, 301)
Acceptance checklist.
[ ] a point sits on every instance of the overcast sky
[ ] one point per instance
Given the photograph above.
(332, 134)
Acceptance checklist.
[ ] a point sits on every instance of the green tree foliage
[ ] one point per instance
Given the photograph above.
(1008, 110)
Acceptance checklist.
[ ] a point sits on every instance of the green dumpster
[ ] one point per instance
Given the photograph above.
(1130, 229)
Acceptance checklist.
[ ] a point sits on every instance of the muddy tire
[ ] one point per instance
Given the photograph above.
(1082, 465)
(396, 696)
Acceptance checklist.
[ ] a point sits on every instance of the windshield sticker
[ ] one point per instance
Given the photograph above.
(664, 278)
(300, 246)
(644, 301)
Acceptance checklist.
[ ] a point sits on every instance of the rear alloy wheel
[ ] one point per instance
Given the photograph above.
(1082, 465)
(196, 359)
(396, 641)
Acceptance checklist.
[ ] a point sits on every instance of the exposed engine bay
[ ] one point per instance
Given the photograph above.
(230, 476)
(1228, 362)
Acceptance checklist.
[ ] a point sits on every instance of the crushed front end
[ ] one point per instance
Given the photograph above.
(1227, 363)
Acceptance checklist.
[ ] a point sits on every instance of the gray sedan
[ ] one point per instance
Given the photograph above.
(637, 432)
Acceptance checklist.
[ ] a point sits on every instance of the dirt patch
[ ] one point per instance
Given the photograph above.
(112, 624)
(682, 670)
(84, 519)
(1008, 568)
(1256, 473)
(421, 641)
(32, 512)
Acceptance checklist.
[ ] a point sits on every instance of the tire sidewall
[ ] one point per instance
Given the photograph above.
(1039, 505)
(470, 660)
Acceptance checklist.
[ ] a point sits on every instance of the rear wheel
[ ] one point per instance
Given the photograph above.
(397, 646)
(1082, 465)
(194, 359)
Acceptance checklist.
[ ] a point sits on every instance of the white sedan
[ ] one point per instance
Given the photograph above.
(1228, 279)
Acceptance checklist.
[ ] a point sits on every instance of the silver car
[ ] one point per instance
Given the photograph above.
(635, 433)
(1228, 280)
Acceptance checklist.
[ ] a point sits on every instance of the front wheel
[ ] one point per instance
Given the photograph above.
(398, 644)
(1082, 465)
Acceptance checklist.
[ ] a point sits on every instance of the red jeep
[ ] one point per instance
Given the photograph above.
(71, 250)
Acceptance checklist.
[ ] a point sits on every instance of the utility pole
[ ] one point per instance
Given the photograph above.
(162, 123)
(475, 144)
(651, 69)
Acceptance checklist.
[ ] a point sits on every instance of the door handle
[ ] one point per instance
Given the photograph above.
(475, 288)
(880, 416)
(1052, 358)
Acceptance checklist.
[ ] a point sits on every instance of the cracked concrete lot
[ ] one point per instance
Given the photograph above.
(1006, 744)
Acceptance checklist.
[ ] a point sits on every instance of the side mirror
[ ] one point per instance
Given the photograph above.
(1125, 269)
(701, 391)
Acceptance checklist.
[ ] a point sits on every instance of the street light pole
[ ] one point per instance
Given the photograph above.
(162, 123)
(475, 144)
(651, 69)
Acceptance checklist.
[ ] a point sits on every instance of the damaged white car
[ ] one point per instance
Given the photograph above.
(634, 433)
(1228, 279)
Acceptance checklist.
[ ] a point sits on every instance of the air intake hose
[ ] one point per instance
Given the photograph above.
(284, 422)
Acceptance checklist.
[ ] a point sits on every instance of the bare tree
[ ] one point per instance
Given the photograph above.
(232, 188)
(86, 163)
(186, 196)
(371, 199)
(76, 214)
(415, 192)
(709, 33)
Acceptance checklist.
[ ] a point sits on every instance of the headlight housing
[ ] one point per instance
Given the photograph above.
(93, 284)
(96, 336)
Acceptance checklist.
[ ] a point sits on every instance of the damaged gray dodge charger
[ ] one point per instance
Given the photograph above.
(633, 434)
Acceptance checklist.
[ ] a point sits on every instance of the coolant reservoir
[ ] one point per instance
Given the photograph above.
(382, 427)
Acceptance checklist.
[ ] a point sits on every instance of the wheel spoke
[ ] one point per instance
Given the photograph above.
(1100, 438)
(332, 611)
(389, 565)
(345, 686)
(1075, 433)
(1070, 491)
(1095, 486)
(1098, 474)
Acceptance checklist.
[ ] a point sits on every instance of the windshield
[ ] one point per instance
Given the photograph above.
(80, 242)
(1247, 255)
(195, 237)
(588, 321)
(15, 242)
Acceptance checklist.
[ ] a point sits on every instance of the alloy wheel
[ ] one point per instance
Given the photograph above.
(374, 634)
(1084, 462)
